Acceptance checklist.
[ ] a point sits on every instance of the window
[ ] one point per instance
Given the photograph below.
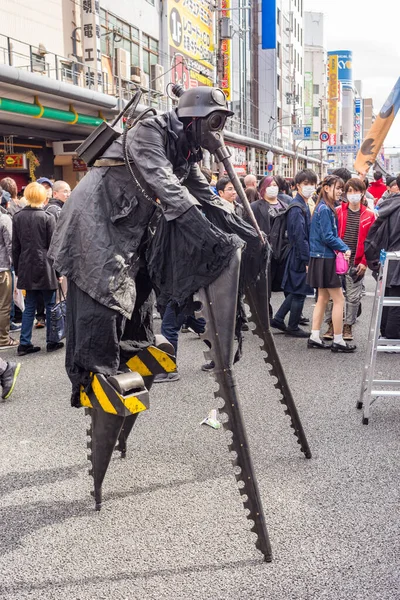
(278, 50)
(278, 17)
(150, 52)
(315, 111)
(279, 83)
(150, 2)
(315, 89)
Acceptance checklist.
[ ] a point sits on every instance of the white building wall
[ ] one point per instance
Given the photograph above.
(139, 13)
(33, 23)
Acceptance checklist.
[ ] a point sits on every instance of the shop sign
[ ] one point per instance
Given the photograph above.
(238, 158)
(78, 164)
(190, 42)
(14, 161)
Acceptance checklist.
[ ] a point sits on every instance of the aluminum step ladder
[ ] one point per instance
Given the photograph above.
(372, 388)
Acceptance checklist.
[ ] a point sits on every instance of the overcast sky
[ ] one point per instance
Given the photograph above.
(372, 33)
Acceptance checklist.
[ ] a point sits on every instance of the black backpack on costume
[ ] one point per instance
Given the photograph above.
(278, 237)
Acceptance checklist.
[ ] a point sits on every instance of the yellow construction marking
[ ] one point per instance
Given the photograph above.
(163, 359)
(102, 397)
(133, 404)
(135, 364)
(84, 398)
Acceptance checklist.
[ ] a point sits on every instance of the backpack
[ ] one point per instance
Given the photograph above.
(377, 240)
(278, 237)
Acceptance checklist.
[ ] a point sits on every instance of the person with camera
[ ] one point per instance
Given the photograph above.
(354, 222)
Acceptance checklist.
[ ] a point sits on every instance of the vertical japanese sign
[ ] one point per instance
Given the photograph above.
(308, 98)
(91, 43)
(226, 55)
(332, 98)
(357, 121)
(268, 24)
(190, 42)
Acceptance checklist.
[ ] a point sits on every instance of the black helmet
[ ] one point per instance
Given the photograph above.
(201, 102)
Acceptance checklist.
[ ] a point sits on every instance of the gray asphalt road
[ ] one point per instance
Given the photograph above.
(172, 525)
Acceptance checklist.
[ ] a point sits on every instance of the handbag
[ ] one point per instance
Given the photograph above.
(342, 265)
(57, 319)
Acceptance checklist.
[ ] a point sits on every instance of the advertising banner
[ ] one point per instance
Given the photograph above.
(332, 98)
(345, 67)
(357, 121)
(268, 24)
(91, 43)
(190, 39)
(238, 158)
(308, 98)
(226, 55)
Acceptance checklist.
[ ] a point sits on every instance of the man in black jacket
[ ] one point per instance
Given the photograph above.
(105, 242)
(61, 193)
(390, 210)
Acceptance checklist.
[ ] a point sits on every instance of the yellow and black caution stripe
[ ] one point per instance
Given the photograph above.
(102, 395)
(152, 361)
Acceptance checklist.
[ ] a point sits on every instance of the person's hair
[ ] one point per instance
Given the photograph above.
(8, 185)
(329, 180)
(282, 184)
(249, 179)
(305, 175)
(263, 178)
(241, 179)
(222, 183)
(266, 183)
(251, 193)
(356, 183)
(207, 174)
(390, 179)
(378, 175)
(35, 194)
(58, 185)
(292, 183)
(398, 181)
(343, 173)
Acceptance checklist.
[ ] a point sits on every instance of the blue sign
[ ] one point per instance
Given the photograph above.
(342, 149)
(324, 136)
(268, 24)
(270, 167)
(345, 67)
(306, 132)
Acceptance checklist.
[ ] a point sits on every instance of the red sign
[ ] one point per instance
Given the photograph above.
(15, 161)
(78, 165)
(238, 158)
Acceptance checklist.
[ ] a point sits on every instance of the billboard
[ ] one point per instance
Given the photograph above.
(268, 24)
(190, 38)
(226, 55)
(308, 98)
(357, 121)
(332, 98)
(345, 67)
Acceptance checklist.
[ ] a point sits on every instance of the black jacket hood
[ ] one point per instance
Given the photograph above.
(389, 206)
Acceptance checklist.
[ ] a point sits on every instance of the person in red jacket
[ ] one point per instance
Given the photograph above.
(377, 188)
(354, 222)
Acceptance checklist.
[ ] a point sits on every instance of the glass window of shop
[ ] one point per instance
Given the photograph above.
(150, 52)
(116, 33)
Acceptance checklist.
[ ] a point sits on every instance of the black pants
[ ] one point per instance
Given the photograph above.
(100, 339)
(390, 324)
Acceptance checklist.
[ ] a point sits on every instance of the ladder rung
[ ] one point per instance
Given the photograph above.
(386, 381)
(394, 349)
(391, 301)
(386, 341)
(392, 393)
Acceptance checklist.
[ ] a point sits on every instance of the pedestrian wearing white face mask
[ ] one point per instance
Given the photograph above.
(265, 211)
(354, 222)
(294, 281)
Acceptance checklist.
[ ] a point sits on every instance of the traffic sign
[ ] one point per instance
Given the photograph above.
(302, 133)
(270, 167)
(345, 149)
(324, 136)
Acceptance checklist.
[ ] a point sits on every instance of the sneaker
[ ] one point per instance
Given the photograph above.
(208, 366)
(164, 377)
(27, 349)
(10, 344)
(184, 329)
(328, 335)
(297, 333)
(278, 325)
(347, 333)
(15, 327)
(345, 348)
(40, 324)
(9, 378)
(53, 346)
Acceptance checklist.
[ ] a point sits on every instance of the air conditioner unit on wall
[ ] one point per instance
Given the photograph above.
(136, 74)
(123, 64)
(157, 78)
(144, 81)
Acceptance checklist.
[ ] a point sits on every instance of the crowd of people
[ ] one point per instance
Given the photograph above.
(306, 222)
(28, 283)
